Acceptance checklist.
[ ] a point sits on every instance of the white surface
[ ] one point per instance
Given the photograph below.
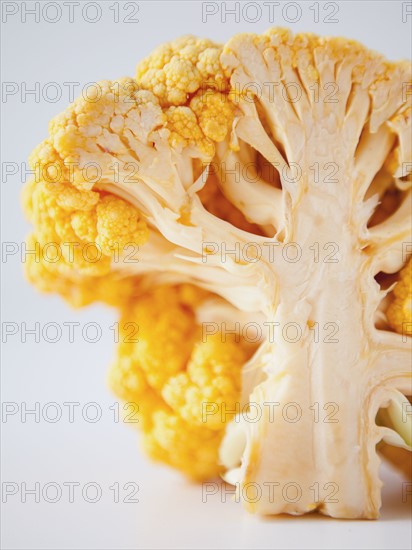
(170, 512)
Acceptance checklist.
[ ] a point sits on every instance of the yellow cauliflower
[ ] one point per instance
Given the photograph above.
(78, 235)
(180, 68)
(173, 374)
(264, 184)
(399, 313)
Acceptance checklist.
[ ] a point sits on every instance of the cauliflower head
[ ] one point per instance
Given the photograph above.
(263, 183)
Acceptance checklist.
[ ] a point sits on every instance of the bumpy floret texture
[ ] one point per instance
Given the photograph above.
(180, 68)
(79, 233)
(172, 373)
(400, 310)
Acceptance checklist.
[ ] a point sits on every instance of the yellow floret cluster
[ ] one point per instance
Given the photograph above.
(184, 385)
(78, 234)
(399, 313)
(206, 121)
(180, 68)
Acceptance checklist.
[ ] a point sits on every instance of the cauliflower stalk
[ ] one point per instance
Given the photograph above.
(276, 140)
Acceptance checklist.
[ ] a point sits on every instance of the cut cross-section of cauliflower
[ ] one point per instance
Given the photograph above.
(213, 164)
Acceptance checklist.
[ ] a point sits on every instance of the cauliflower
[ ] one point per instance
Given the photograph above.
(267, 144)
(169, 371)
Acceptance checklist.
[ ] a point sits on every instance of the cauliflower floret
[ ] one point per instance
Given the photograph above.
(170, 373)
(77, 237)
(399, 313)
(215, 113)
(177, 69)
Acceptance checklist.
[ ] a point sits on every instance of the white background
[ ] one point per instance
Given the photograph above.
(170, 512)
